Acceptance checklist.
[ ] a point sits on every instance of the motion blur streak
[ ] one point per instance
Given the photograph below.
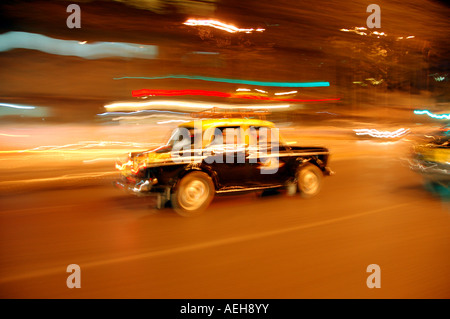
(205, 245)
(84, 145)
(382, 134)
(32, 41)
(131, 118)
(99, 159)
(147, 92)
(234, 81)
(16, 106)
(187, 105)
(219, 25)
(13, 135)
(58, 178)
(138, 112)
(67, 119)
(265, 98)
(432, 115)
(356, 30)
(172, 121)
(285, 93)
(77, 153)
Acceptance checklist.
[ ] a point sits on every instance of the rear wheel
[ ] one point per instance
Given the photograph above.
(309, 180)
(193, 194)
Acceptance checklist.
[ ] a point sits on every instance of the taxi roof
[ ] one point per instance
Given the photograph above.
(228, 122)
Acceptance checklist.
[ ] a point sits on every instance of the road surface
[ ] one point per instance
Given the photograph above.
(373, 211)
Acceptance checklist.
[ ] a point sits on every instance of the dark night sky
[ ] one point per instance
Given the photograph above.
(302, 42)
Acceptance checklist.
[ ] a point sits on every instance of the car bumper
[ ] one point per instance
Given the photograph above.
(328, 171)
(143, 187)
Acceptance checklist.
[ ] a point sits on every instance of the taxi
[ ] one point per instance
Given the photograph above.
(204, 158)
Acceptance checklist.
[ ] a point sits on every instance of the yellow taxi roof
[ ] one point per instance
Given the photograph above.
(227, 122)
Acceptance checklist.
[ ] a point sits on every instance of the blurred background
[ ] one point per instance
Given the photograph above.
(73, 100)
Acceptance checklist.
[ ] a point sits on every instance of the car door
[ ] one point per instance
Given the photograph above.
(225, 154)
(266, 156)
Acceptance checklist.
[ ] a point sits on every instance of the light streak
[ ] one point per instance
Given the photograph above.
(33, 41)
(432, 115)
(266, 98)
(354, 31)
(13, 135)
(17, 106)
(58, 178)
(138, 112)
(172, 121)
(82, 145)
(219, 25)
(206, 53)
(225, 80)
(325, 112)
(139, 93)
(198, 105)
(188, 105)
(99, 159)
(381, 134)
(357, 31)
(131, 118)
(286, 93)
(261, 91)
(374, 81)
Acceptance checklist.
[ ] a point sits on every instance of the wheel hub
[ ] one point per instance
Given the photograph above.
(194, 194)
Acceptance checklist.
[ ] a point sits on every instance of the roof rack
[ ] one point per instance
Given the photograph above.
(215, 112)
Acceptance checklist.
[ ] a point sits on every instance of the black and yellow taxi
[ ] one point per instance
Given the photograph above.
(204, 158)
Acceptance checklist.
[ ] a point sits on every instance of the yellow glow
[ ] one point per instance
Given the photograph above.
(13, 135)
(133, 106)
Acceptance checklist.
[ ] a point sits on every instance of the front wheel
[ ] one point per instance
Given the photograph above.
(309, 180)
(193, 194)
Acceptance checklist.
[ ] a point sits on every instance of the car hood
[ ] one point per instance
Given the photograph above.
(138, 160)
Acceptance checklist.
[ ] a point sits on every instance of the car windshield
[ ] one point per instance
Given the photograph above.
(181, 136)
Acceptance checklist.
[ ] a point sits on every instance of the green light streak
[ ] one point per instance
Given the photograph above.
(234, 81)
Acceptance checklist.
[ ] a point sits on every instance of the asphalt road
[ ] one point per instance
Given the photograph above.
(373, 211)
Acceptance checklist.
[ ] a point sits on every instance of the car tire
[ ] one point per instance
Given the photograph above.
(309, 180)
(193, 194)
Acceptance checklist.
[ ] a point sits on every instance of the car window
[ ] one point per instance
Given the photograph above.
(263, 137)
(229, 135)
(181, 138)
